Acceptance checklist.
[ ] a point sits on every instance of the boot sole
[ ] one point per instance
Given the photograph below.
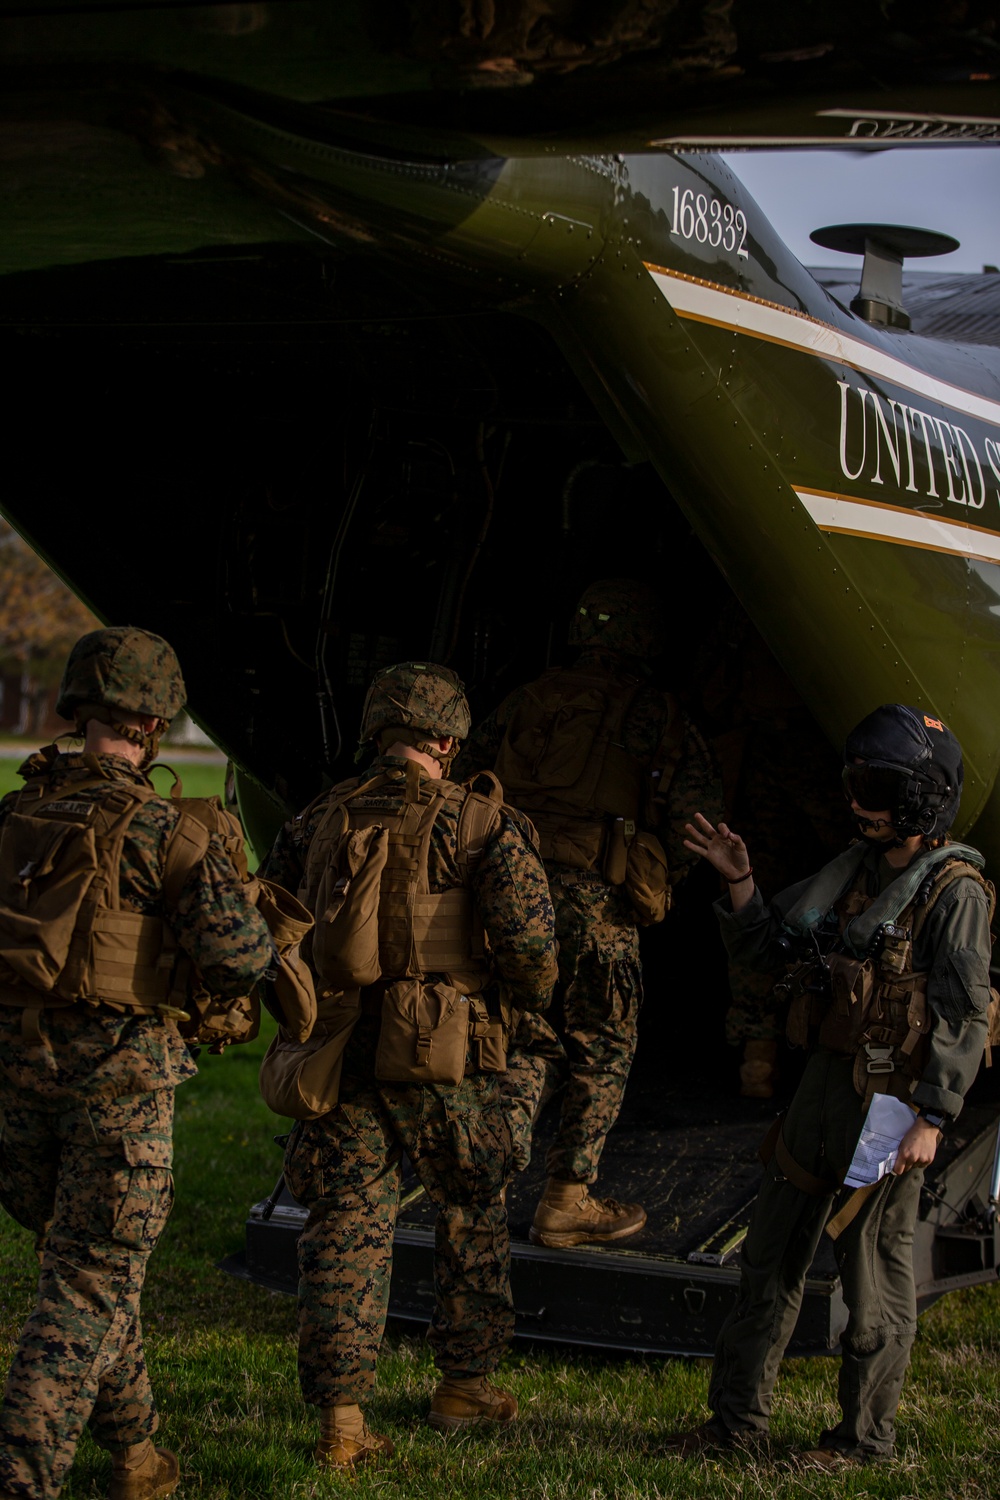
(459, 1424)
(566, 1238)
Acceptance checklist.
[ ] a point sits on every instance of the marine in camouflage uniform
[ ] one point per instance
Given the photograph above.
(344, 1167)
(586, 1042)
(87, 1109)
(780, 780)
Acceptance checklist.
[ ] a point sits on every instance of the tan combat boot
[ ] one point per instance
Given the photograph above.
(344, 1440)
(468, 1401)
(143, 1472)
(568, 1215)
(759, 1069)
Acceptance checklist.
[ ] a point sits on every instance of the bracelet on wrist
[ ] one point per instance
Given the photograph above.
(740, 878)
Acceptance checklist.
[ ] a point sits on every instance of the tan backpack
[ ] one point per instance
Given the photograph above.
(378, 923)
(64, 936)
(563, 761)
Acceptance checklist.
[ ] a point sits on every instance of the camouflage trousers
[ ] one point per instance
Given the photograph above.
(345, 1169)
(792, 813)
(586, 1042)
(94, 1184)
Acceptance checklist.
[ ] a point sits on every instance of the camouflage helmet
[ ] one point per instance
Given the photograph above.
(416, 695)
(123, 668)
(620, 614)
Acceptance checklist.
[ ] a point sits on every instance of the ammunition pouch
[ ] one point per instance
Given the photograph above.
(424, 1036)
(432, 1033)
(647, 879)
(852, 985)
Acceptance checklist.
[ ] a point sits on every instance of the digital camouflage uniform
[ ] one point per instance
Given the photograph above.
(780, 784)
(345, 1166)
(586, 1042)
(789, 817)
(85, 1160)
(820, 1131)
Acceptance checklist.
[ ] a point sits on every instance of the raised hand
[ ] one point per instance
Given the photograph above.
(720, 846)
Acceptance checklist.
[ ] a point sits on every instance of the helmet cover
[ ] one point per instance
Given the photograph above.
(125, 668)
(911, 763)
(620, 614)
(416, 695)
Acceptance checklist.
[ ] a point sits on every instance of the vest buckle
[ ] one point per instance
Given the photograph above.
(879, 1059)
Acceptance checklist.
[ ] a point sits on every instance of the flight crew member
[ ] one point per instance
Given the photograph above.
(892, 995)
(597, 756)
(90, 1053)
(458, 862)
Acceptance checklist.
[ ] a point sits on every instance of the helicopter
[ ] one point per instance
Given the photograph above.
(326, 359)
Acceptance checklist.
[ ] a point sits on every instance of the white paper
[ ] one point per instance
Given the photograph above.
(887, 1121)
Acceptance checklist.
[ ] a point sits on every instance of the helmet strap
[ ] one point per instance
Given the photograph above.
(417, 740)
(149, 741)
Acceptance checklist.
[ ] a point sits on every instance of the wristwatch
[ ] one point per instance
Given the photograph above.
(934, 1117)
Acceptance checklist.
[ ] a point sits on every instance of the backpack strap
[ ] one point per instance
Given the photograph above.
(478, 820)
(186, 848)
(667, 755)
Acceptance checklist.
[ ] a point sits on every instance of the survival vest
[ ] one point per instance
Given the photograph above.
(873, 1004)
(66, 939)
(563, 760)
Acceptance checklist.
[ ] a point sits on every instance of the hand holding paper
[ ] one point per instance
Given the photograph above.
(888, 1120)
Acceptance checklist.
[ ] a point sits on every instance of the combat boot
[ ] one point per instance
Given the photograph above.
(759, 1069)
(461, 1402)
(825, 1461)
(344, 1440)
(567, 1215)
(143, 1472)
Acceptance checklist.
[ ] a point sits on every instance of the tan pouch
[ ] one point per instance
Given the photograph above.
(851, 984)
(487, 1045)
(992, 1026)
(302, 1079)
(287, 991)
(425, 1033)
(573, 843)
(647, 879)
(46, 869)
(217, 1022)
(345, 940)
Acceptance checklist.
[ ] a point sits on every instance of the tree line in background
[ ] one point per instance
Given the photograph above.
(40, 618)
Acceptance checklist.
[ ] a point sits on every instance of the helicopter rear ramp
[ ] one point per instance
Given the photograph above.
(690, 1156)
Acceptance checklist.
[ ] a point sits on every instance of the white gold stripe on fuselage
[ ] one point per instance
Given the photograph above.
(849, 516)
(705, 302)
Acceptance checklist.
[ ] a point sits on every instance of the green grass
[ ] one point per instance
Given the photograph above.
(222, 1356)
(199, 779)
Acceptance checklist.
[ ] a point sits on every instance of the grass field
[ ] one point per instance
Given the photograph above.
(200, 778)
(222, 1356)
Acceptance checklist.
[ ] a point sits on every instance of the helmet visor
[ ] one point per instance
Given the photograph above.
(874, 788)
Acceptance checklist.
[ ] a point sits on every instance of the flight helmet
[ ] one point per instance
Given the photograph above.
(424, 701)
(620, 614)
(122, 670)
(908, 761)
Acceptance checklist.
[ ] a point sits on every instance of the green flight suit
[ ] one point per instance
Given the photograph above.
(821, 1129)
